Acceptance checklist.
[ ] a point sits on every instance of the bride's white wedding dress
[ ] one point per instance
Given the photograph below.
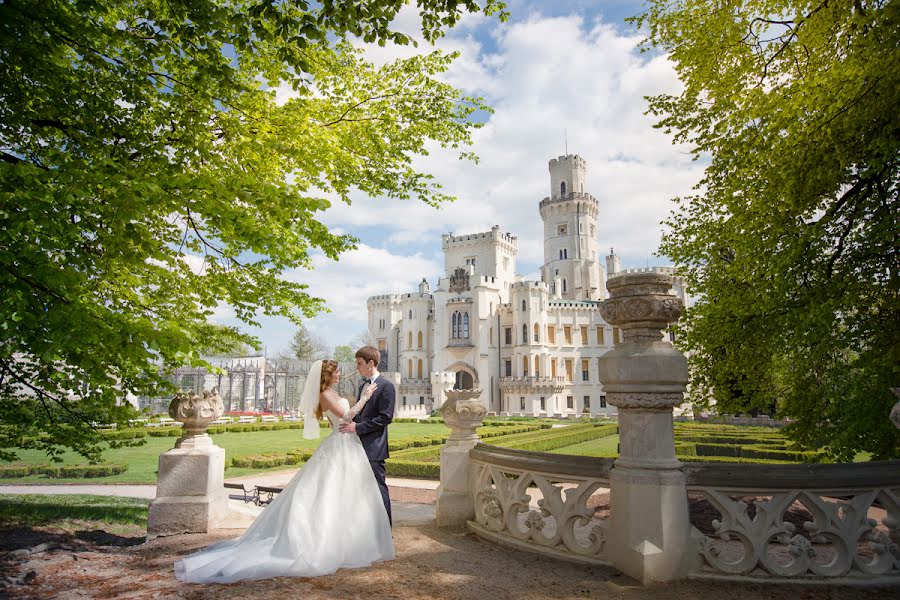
(330, 516)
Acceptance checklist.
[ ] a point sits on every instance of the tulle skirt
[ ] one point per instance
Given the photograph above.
(330, 516)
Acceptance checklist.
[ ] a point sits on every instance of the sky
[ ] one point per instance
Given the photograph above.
(561, 76)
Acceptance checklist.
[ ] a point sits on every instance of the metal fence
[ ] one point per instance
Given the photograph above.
(253, 384)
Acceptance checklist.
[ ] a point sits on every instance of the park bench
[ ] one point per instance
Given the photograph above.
(268, 491)
(169, 422)
(246, 419)
(251, 495)
(290, 419)
(269, 419)
(222, 421)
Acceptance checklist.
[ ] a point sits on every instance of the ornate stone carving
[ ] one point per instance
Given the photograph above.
(644, 399)
(195, 412)
(463, 412)
(459, 281)
(895, 412)
(640, 304)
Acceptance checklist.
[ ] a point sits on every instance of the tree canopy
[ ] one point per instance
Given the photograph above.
(149, 175)
(306, 345)
(792, 242)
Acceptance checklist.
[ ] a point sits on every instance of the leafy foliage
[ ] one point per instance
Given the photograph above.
(793, 240)
(150, 173)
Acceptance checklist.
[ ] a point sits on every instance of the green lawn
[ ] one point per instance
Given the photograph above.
(605, 446)
(142, 461)
(34, 509)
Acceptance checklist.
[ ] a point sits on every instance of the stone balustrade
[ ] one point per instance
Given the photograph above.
(798, 522)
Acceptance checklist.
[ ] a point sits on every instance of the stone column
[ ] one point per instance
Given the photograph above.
(463, 412)
(644, 377)
(189, 490)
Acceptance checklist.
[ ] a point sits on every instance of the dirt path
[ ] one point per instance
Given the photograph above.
(431, 563)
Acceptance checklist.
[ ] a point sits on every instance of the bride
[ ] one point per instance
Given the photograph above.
(329, 516)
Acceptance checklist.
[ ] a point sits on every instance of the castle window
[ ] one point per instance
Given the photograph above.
(524, 306)
(562, 229)
(552, 367)
(522, 403)
(465, 331)
(419, 346)
(508, 366)
(585, 372)
(410, 314)
(508, 335)
(587, 404)
(419, 370)
(562, 188)
(568, 334)
(537, 338)
(524, 366)
(454, 330)
(537, 366)
(409, 340)
(560, 254)
(582, 188)
(600, 339)
(564, 286)
(409, 368)
(524, 334)
(584, 335)
(570, 402)
(602, 401)
(568, 369)
(543, 404)
(551, 334)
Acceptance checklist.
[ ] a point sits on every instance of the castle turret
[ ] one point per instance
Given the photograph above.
(613, 265)
(570, 232)
(424, 288)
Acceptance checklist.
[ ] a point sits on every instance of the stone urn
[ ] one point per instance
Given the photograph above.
(463, 413)
(196, 413)
(895, 412)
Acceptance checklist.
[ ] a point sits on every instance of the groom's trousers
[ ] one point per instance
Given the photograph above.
(378, 470)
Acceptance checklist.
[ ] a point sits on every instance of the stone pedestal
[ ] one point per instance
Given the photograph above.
(463, 412)
(190, 495)
(644, 377)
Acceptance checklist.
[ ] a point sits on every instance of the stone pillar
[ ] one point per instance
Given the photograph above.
(644, 377)
(189, 490)
(463, 412)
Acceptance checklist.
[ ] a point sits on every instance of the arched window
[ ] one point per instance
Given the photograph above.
(465, 328)
(454, 332)
(562, 188)
(565, 253)
(525, 366)
(419, 346)
(410, 314)
(537, 338)
(409, 367)
(409, 340)
(524, 306)
(419, 371)
(560, 254)
(524, 334)
(564, 285)
(537, 366)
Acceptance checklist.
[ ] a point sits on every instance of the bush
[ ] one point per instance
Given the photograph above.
(7, 472)
(125, 434)
(79, 471)
(404, 468)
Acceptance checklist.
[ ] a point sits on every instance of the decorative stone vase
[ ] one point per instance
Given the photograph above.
(196, 413)
(895, 412)
(463, 412)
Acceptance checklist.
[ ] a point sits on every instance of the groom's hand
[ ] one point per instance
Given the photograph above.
(347, 427)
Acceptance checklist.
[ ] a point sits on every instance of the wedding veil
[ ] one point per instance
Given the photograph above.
(310, 400)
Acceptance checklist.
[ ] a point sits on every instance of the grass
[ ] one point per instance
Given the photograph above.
(143, 460)
(605, 446)
(36, 510)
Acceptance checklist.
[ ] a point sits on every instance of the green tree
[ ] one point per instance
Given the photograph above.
(792, 242)
(344, 353)
(148, 174)
(307, 345)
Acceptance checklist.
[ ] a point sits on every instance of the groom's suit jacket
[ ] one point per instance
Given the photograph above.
(373, 419)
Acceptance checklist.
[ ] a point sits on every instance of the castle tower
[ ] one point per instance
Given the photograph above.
(571, 251)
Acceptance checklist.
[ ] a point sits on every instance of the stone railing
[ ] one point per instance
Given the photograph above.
(797, 521)
(546, 503)
(552, 385)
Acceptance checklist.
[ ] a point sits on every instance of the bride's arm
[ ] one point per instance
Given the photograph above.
(354, 410)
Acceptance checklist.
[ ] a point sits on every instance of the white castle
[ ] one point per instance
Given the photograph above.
(532, 347)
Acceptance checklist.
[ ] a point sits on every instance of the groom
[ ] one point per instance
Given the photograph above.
(372, 421)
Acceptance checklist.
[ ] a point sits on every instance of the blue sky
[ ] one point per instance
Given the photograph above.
(554, 67)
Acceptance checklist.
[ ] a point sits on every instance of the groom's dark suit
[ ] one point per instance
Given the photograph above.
(371, 426)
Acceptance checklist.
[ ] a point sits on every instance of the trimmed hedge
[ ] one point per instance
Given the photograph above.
(408, 468)
(64, 471)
